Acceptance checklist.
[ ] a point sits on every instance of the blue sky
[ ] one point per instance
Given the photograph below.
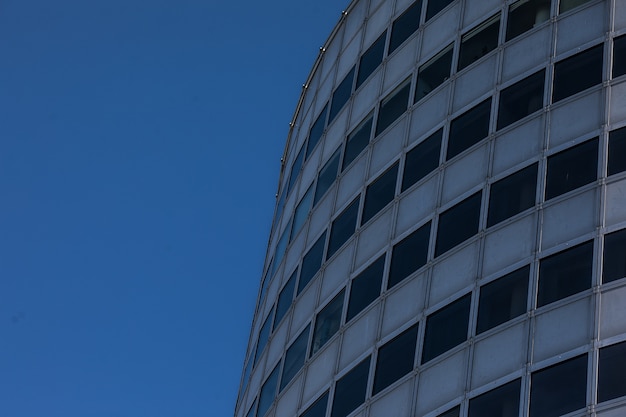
(139, 155)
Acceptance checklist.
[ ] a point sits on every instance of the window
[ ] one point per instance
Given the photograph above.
(422, 160)
(295, 169)
(617, 151)
(315, 134)
(409, 255)
(611, 371)
(285, 298)
(281, 246)
(503, 299)
(446, 328)
(479, 42)
(311, 262)
(380, 193)
(577, 73)
(318, 409)
(343, 227)
(268, 392)
(327, 176)
(565, 273)
(264, 335)
(357, 141)
(614, 256)
(458, 223)
(559, 389)
(395, 359)
(341, 95)
(499, 402)
(469, 128)
(365, 287)
(327, 322)
(433, 73)
(405, 25)
(525, 15)
(435, 6)
(566, 5)
(246, 377)
(302, 212)
(393, 106)
(251, 410)
(619, 56)
(350, 390)
(521, 99)
(454, 412)
(512, 195)
(572, 168)
(294, 358)
(371, 59)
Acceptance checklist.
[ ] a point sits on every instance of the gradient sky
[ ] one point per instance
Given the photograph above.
(139, 155)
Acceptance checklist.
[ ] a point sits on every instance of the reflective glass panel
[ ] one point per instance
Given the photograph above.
(499, 402)
(358, 140)
(264, 335)
(503, 299)
(327, 322)
(422, 160)
(577, 73)
(371, 59)
(455, 412)
(341, 95)
(365, 287)
(395, 359)
(312, 262)
(409, 255)
(521, 99)
(343, 227)
(433, 73)
(619, 56)
(315, 134)
(617, 151)
(393, 106)
(350, 390)
(479, 42)
(268, 392)
(285, 298)
(446, 328)
(469, 128)
(614, 256)
(302, 212)
(294, 358)
(435, 6)
(512, 195)
(295, 168)
(566, 5)
(611, 372)
(318, 409)
(572, 168)
(405, 25)
(458, 223)
(559, 389)
(380, 193)
(327, 176)
(525, 15)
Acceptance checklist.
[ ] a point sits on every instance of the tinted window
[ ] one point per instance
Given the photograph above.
(327, 322)
(318, 409)
(458, 223)
(357, 141)
(479, 42)
(341, 95)
(264, 334)
(315, 134)
(455, 412)
(246, 377)
(469, 128)
(395, 359)
(566, 5)
(446, 328)
(295, 168)
(611, 372)
(380, 193)
(572, 168)
(435, 6)
(614, 256)
(409, 255)
(617, 151)
(312, 262)
(577, 73)
(433, 73)
(405, 25)
(285, 298)
(327, 177)
(499, 402)
(559, 389)
(393, 106)
(294, 358)
(302, 212)
(281, 246)
(350, 390)
(525, 15)
(366, 287)
(512, 195)
(371, 59)
(343, 227)
(503, 299)
(619, 56)
(422, 160)
(565, 273)
(521, 99)
(268, 392)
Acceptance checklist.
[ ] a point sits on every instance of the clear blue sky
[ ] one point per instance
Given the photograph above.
(139, 154)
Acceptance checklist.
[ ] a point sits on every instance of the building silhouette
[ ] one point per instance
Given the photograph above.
(449, 237)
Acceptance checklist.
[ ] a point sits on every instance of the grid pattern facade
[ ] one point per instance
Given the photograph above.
(450, 230)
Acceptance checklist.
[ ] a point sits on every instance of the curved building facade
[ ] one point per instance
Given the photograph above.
(449, 236)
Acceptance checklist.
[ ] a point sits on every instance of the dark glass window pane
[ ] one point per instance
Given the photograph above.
(446, 328)
(614, 256)
(479, 42)
(521, 99)
(611, 372)
(294, 358)
(405, 25)
(295, 169)
(268, 392)
(458, 223)
(577, 73)
(565, 273)
(366, 287)
(503, 299)
(422, 160)
(343, 227)
(433, 73)
(566, 5)
(619, 56)
(499, 402)
(572, 168)
(393, 106)
(311, 262)
(469, 128)
(512, 195)
(371, 59)
(327, 322)
(327, 177)
(455, 412)
(341, 95)
(285, 298)
(435, 6)
(251, 410)
(617, 151)
(318, 409)
(350, 390)
(380, 193)
(409, 255)
(281, 246)
(264, 335)
(302, 212)
(559, 389)
(395, 359)
(525, 15)
(357, 141)
(315, 134)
